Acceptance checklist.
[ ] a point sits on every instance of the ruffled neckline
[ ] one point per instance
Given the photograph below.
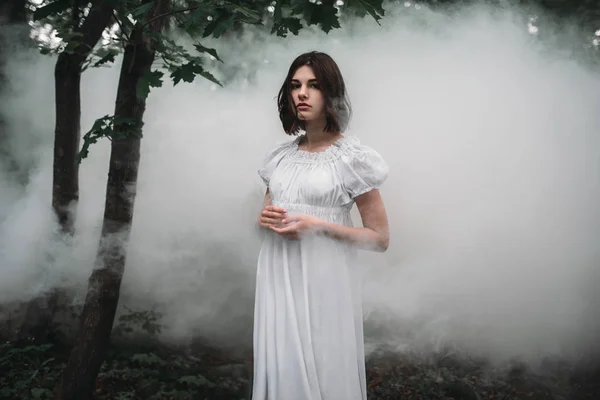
(332, 152)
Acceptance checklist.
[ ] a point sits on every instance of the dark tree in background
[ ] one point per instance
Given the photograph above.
(84, 23)
(103, 293)
(86, 31)
(13, 31)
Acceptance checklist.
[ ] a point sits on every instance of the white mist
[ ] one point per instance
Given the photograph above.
(493, 195)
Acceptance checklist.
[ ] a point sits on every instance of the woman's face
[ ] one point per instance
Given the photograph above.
(306, 93)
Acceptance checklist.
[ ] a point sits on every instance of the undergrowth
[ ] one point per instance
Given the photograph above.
(136, 370)
(32, 372)
(28, 372)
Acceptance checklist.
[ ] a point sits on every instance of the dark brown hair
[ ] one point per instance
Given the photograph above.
(331, 84)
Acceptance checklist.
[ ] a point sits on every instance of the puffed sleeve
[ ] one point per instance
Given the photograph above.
(272, 159)
(363, 169)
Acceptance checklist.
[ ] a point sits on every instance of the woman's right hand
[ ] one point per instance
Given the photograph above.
(271, 216)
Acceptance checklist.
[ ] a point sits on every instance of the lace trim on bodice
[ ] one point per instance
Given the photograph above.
(317, 211)
(333, 152)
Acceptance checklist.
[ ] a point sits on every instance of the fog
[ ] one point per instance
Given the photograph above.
(493, 143)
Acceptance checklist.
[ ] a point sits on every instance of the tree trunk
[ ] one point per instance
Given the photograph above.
(65, 187)
(67, 76)
(37, 323)
(102, 297)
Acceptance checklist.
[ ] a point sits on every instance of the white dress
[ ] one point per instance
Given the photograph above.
(308, 326)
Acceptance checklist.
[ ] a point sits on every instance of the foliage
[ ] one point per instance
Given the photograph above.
(144, 321)
(104, 55)
(150, 375)
(449, 375)
(28, 372)
(199, 19)
(105, 128)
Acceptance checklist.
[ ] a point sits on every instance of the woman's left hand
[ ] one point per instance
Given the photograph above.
(296, 225)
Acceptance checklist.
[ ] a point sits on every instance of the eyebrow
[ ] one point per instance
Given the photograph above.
(310, 80)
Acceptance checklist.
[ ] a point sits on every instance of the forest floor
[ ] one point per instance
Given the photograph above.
(31, 371)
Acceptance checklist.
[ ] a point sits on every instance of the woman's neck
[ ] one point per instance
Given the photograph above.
(317, 136)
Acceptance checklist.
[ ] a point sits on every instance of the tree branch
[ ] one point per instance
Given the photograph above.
(121, 26)
(171, 13)
(92, 28)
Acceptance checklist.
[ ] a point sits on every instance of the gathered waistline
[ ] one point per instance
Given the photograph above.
(314, 210)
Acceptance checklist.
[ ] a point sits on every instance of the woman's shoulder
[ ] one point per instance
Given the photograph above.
(280, 148)
(354, 150)
(282, 145)
(363, 168)
(273, 157)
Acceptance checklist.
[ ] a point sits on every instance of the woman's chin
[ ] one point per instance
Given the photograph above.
(306, 117)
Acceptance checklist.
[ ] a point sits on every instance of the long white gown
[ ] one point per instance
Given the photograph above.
(308, 326)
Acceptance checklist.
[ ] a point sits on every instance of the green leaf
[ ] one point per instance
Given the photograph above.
(185, 72)
(47, 361)
(109, 57)
(188, 71)
(202, 49)
(324, 14)
(219, 25)
(290, 24)
(103, 127)
(148, 80)
(207, 75)
(55, 7)
(105, 54)
(373, 7)
(252, 15)
(195, 21)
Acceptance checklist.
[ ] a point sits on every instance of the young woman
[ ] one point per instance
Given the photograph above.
(308, 332)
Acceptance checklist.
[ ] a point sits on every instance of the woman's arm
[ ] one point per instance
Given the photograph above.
(375, 232)
(373, 236)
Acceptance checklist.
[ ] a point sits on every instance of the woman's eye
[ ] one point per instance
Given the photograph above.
(295, 86)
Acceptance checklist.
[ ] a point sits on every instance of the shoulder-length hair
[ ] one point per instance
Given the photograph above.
(331, 83)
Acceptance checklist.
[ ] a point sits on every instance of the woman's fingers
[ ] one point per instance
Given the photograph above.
(271, 217)
(275, 225)
(267, 222)
(276, 209)
(289, 235)
(290, 229)
(272, 214)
